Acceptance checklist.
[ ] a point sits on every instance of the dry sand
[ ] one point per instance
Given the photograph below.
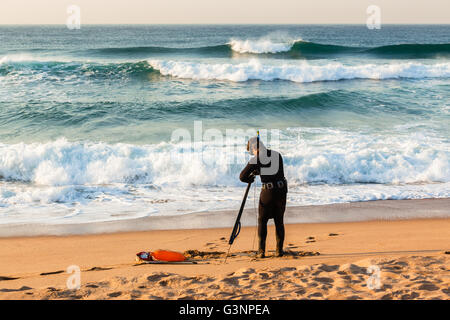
(322, 261)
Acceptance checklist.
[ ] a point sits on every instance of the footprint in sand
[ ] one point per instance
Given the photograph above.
(353, 298)
(409, 296)
(323, 280)
(353, 268)
(23, 288)
(52, 272)
(135, 294)
(300, 291)
(310, 239)
(156, 277)
(3, 278)
(428, 287)
(98, 269)
(264, 275)
(231, 281)
(214, 286)
(315, 295)
(163, 283)
(297, 254)
(328, 268)
(245, 271)
(114, 294)
(196, 254)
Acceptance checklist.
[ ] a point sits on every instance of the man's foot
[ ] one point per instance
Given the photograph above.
(279, 253)
(260, 255)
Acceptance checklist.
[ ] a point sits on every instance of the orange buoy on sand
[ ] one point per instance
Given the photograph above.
(165, 255)
(161, 255)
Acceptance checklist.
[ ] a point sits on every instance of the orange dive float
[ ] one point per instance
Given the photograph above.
(161, 255)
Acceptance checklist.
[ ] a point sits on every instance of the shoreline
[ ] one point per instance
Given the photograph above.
(322, 261)
(389, 210)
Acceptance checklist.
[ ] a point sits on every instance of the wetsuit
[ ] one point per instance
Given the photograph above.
(272, 202)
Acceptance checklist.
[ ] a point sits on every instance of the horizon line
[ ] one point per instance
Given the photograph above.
(264, 24)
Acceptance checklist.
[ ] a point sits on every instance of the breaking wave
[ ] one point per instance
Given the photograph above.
(252, 70)
(255, 70)
(337, 157)
(61, 181)
(30, 68)
(261, 46)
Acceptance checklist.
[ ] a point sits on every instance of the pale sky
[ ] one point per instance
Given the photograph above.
(223, 11)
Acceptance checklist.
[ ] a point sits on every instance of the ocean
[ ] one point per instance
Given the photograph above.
(88, 116)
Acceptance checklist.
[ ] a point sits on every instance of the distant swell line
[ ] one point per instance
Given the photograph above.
(296, 49)
(76, 114)
(161, 50)
(414, 50)
(293, 50)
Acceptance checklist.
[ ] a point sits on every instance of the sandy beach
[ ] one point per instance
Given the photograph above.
(377, 259)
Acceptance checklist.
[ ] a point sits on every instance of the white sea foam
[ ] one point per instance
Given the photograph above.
(298, 72)
(15, 58)
(66, 182)
(26, 57)
(337, 157)
(263, 45)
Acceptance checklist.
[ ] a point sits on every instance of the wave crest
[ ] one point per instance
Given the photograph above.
(31, 70)
(336, 157)
(261, 46)
(255, 70)
(28, 68)
(60, 181)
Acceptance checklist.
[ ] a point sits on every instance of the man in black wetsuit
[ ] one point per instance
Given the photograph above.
(268, 164)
